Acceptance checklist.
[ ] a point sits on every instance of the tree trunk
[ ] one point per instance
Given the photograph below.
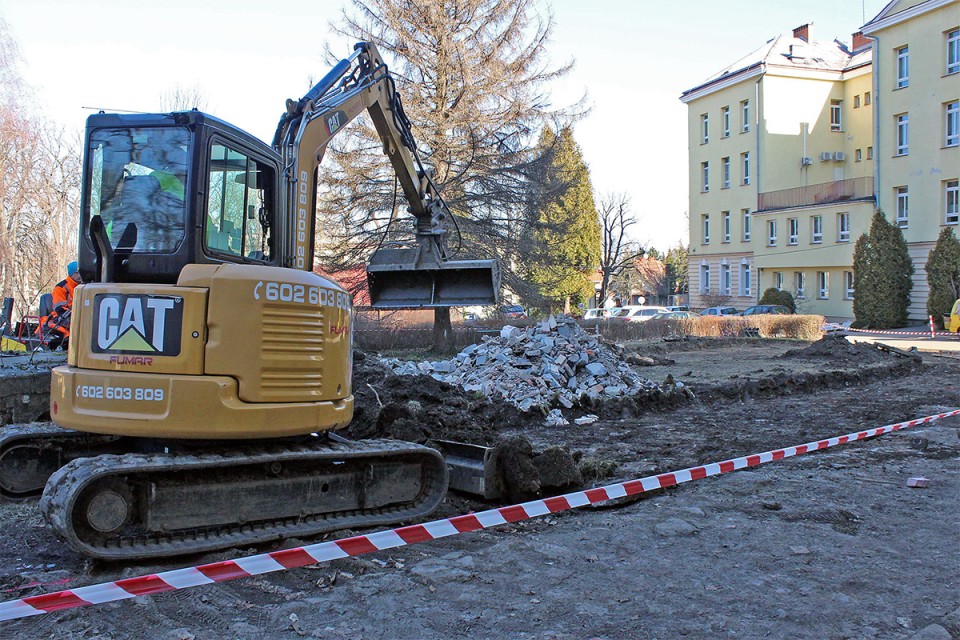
(442, 331)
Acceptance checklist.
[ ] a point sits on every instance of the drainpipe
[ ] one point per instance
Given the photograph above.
(875, 83)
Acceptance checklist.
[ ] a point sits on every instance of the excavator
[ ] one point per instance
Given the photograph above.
(209, 365)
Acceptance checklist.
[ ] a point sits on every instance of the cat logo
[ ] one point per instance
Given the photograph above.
(137, 324)
(335, 120)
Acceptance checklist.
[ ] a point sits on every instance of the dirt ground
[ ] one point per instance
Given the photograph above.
(826, 545)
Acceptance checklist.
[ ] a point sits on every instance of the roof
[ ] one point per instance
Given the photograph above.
(787, 52)
(354, 280)
(900, 10)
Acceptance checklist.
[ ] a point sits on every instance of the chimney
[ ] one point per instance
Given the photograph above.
(860, 41)
(802, 32)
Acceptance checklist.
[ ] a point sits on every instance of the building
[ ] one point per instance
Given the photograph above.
(792, 148)
(916, 80)
(780, 179)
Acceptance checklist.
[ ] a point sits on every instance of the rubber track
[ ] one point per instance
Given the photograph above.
(66, 486)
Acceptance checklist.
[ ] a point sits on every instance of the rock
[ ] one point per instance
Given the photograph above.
(931, 632)
(674, 527)
(588, 419)
(557, 469)
(555, 419)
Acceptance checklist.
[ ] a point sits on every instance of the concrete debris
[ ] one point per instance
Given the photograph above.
(587, 419)
(555, 419)
(554, 362)
(918, 483)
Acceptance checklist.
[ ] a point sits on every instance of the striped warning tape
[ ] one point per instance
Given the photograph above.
(358, 545)
(903, 333)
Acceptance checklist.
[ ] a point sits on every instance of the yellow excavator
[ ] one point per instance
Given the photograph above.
(209, 365)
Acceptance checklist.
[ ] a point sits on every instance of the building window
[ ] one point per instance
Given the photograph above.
(951, 197)
(848, 285)
(953, 51)
(866, 98)
(745, 213)
(704, 278)
(771, 233)
(903, 67)
(745, 116)
(778, 280)
(706, 228)
(725, 121)
(745, 167)
(835, 122)
(869, 153)
(704, 177)
(903, 134)
(843, 227)
(858, 155)
(823, 285)
(799, 281)
(704, 128)
(816, 229)
(856, 101)
(903, 206)
(724, 279)
(794, 226)
(952, 125)
(745, 276)
(726, 226)
(726, 173)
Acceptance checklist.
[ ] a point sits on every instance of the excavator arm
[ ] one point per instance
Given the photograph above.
(420, 276)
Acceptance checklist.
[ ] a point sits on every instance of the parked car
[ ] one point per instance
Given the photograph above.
(470, 318)
(594, 314)
(766, 308)
(719, 311)
(512, 311)
(681, 307)
(674, 315)
(638, 313)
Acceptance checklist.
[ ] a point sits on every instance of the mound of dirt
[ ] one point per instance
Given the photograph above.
(837, 347)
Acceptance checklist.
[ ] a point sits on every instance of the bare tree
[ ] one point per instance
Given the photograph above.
(618, 253)
(473, 77)
(39, 190)
(181, 98)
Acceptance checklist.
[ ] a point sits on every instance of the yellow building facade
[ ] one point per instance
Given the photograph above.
(801, 185)
(792, 147)
(917, 124)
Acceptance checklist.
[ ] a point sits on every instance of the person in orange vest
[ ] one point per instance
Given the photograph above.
(54, 329)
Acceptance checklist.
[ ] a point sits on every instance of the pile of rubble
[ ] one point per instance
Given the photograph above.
(552, 362)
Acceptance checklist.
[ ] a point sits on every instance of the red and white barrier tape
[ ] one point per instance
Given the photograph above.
(928, 334)
(359, 545)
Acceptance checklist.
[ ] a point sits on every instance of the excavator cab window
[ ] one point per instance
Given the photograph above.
(138, 177)
(238, 216)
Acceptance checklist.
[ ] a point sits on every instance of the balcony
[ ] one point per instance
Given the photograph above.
(823, 193)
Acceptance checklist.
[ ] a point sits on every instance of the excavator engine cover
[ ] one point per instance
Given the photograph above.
(396, 281)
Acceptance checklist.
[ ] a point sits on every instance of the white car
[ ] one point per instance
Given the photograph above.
(593, 314)
(638, 313)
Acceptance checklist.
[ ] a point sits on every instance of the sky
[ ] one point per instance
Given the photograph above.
(633, 59)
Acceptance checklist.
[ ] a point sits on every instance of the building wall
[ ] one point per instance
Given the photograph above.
(929, 163)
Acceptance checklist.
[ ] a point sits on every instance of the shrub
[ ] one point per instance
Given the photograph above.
(882, 270)
(943, 274)
(777, 296)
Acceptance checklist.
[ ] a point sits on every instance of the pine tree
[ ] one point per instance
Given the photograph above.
(564, 237)
(943, 274)
(882, 271)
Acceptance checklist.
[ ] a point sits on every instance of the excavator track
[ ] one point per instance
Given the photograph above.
(31, 453)
(133, 506)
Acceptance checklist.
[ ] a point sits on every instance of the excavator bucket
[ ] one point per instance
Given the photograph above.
(397, 281)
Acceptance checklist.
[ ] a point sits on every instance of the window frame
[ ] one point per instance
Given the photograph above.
(823, 285)
(726, 280)
(746, 220)
(744, 116)
(746, 280)
(951, 195)
(705, 228)
(902, 137)
(725, 122)
(848, 285)
(705, 278)
(951, 124)
(816, 229)
(725, 166)
(745, 168)
(771, 233)
(705, 177)
(778, 280)
(704, 128)
(800, 284)
(902, 200)
(843, 226)
(952, 52)
(836, 115)
(902, 66)
(793, 231)
(725, 225)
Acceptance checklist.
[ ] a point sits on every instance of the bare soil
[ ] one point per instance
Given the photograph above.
(826, 545)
